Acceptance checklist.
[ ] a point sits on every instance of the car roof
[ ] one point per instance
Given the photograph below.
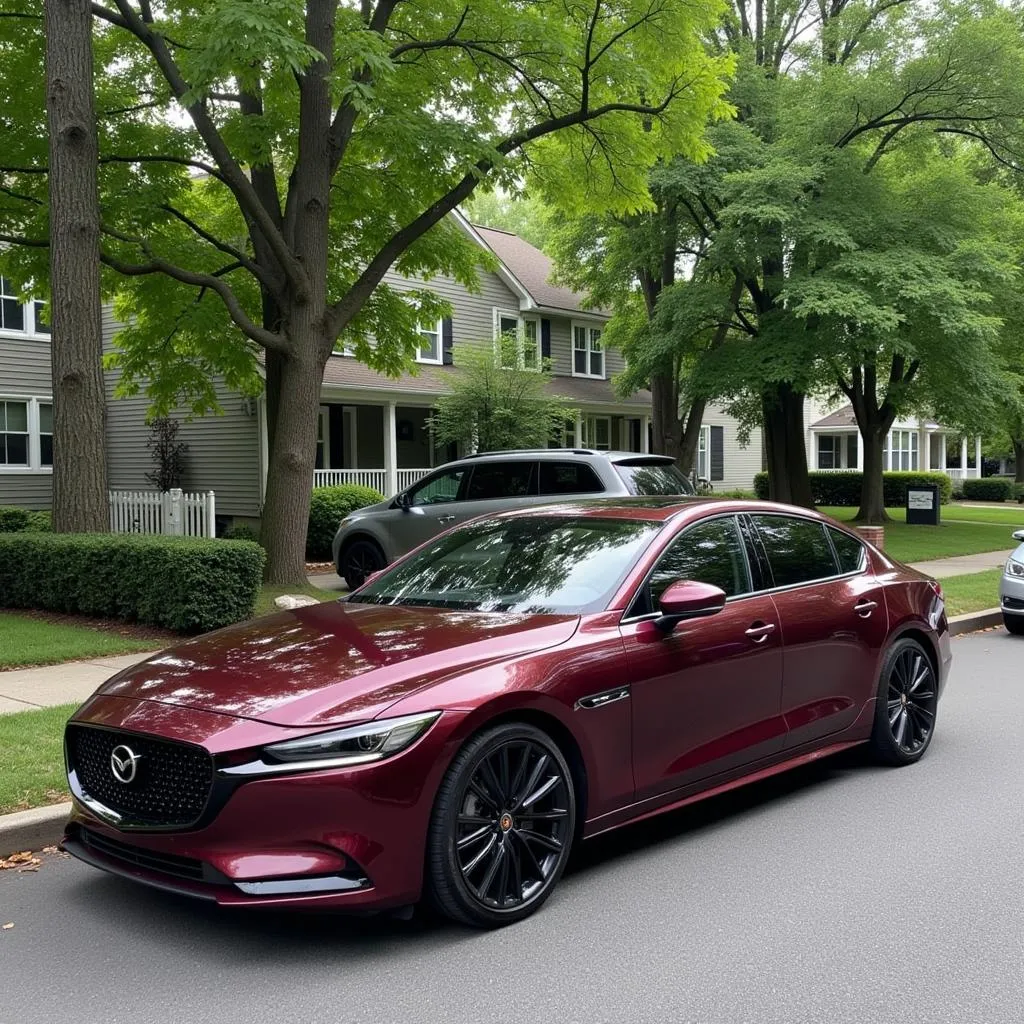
(655, 509)
(553, 454)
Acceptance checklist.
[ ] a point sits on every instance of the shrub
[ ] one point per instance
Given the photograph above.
(1018, 493)
(993, 488)
(13, 520)
(240, 531)
(843, 488)
(181, 583)
(327, 508)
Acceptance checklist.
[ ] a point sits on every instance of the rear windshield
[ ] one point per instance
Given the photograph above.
(653, 478)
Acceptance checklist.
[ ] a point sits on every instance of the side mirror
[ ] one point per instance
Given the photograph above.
(402, 500)
(1019, 535)
(688, 599)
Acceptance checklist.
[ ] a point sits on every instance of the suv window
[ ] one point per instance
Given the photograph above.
(710, 552)
(798, 550)
(568, 478)
(652, 478)
(492, 480)
(438, 489)
(849, 550)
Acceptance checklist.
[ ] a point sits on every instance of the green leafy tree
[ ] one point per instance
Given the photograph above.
(524, 215)
(333, 138)
(497, 405)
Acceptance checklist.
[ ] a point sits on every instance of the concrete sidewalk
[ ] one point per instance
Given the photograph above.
(963, 565)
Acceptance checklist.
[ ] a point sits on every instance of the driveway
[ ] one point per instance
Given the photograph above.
(842, 893)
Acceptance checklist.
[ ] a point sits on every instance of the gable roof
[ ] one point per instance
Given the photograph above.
(533, 269)
(843, 417)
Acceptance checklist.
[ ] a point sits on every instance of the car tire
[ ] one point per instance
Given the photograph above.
(906, 705)
(359, 559)
(496, 849)
(1014, 624)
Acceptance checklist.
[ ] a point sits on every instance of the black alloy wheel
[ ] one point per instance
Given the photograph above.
(907, 703)
(359, 560)
(503, 827)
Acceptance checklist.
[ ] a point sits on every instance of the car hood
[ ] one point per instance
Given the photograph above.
(332, 663)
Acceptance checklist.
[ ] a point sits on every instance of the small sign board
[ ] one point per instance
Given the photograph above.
(923, 505)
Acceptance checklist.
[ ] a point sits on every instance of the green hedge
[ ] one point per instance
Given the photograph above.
(993, 488)
(327, 508)
(843, 488)
(21, 520)
(186, 584)
(1018, 493)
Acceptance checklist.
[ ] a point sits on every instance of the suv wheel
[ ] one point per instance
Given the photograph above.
(359, 560)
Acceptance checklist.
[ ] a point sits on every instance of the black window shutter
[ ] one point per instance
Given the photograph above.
(718, 453)
(545, 339)
(446, 341)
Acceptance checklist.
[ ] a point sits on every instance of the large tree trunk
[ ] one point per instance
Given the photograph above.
(1018, 458)
(782, 411)
(292, 458)
(872, 496)
(79, 441)
(687, 458)
(666, 430)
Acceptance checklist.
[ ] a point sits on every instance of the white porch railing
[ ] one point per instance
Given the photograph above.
(964, 474)
(172, 513)
(375, 478)
(971, 473)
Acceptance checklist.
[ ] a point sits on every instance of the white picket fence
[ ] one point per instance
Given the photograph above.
(173, 513)
(375, 478)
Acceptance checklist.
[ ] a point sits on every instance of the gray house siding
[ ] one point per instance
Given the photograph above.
(25, 373)
(223, 455)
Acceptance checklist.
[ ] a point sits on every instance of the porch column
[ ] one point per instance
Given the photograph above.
(645, 432)
(942, 452)
(390, 449)
(924, 450)
(578, 441)
(860, 452)
(977, 455)
(963, 457)
(888, 452)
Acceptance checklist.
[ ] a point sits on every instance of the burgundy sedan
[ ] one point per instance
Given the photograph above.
(516, 685)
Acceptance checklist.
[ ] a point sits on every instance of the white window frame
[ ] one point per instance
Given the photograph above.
(590, 433)
(900, 443)
(28, 315)
(704, 453)
(831, 438)
(439, 332)
(324, 431)
(589, 327)
(521, 321)
(34, 466)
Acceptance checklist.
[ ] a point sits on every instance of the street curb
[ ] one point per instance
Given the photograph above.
(32, 830)
(973, 621)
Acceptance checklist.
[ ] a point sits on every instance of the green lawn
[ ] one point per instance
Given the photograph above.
(30, 641)
(973, 593)
(954, 537)
(31, 752)
(265, 602)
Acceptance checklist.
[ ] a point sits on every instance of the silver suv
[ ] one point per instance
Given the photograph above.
(367, 540)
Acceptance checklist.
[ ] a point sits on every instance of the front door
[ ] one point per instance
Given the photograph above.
(833, 620)
(706, 697)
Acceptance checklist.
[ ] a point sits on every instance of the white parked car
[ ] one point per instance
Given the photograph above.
(1011, 589)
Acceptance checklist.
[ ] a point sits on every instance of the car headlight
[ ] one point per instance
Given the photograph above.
(1014, 568)
(340, 748)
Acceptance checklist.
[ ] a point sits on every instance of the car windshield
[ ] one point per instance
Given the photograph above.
(653, 478)
(531, 564)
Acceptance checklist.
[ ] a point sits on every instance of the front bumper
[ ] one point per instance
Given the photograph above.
(1011, 594)
(344, 838)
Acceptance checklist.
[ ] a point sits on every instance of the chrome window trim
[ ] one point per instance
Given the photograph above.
(862, 571)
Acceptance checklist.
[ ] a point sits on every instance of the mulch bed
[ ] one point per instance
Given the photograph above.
(316, 568)
(133, 630)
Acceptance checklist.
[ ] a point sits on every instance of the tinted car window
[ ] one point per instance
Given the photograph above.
(798, 550)
(710, 552)
(653, 478)
(849, 550)
(437, 489)
(535, 564)
(501, 480)
(568, 478)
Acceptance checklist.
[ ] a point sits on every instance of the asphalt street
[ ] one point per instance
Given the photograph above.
(840, 893)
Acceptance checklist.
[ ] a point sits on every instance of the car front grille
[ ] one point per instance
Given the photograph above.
(172, 782)
(150, 860)
(1013, 602)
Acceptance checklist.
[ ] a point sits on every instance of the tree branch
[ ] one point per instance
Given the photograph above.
(32, 243)
(243, 260)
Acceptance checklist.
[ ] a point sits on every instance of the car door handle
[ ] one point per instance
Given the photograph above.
(446, 519)
(759, 634)
(864, 608)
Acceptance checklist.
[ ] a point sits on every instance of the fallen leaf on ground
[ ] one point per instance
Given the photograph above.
(8, 926)
(25, 861)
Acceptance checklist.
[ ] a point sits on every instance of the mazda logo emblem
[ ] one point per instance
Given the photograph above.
(124, 763)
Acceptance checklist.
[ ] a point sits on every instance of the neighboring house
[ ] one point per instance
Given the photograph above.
(833, 444)
(373, 428)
